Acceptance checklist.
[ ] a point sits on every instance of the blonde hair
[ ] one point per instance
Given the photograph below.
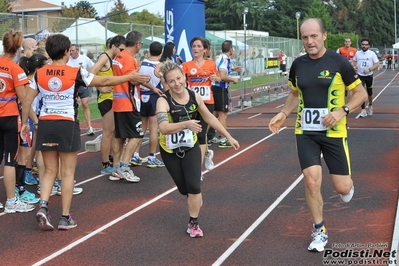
(167, 66)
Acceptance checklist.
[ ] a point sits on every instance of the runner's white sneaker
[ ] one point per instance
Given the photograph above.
(348, 197)
(320, 239)
(90, 131)
(370, 111)
(208, 160)
(18, 206)
(131, 177)
(128, 175)
(363, 113)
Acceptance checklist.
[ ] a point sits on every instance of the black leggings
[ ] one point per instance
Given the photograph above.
(186, 171)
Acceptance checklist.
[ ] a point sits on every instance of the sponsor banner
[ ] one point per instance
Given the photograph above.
(184, 20)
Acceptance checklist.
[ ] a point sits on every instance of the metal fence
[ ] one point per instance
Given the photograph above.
(256, 53)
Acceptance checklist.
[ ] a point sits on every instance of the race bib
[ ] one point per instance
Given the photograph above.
(145, 98)
(312, 119)
(184, 138)
(203, 91)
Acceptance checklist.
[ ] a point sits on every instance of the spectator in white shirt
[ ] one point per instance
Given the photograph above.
(78, 60)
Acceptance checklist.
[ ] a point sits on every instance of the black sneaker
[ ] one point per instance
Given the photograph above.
(66, 224)
(43, 218)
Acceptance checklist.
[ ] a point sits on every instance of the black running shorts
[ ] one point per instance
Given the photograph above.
(128, 125)
(335, 152)
(221, 98)
(60, 135)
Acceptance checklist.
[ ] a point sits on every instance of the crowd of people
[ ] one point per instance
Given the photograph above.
(170, 98)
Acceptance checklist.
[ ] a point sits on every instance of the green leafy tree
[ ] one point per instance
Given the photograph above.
(118, 13)
(318, 9)
(228, 14)
(5, 22)
(343, 14)
(375, 20)
(118, 17)
(82, 9)
(283, 22)
(145, 17)
(86, 10)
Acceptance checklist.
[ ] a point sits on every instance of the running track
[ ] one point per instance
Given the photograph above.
(254, 210)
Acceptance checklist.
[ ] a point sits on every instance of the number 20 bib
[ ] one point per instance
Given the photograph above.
(203, 91)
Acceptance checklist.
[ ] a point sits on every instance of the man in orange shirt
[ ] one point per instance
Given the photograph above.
(347, 51)
(126, 107)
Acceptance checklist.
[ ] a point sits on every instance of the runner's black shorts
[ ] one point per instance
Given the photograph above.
(202, 135)
(9, 139)
(128, 125)
(335, 153)
(368, 81)
(59, 135)
(104, 106)
(148, 105)
(221, 98)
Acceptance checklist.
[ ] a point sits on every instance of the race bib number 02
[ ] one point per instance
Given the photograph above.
(182, 138)
(203, 91)
(312, 119)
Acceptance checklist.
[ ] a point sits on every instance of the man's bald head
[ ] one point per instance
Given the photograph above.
(29, 44)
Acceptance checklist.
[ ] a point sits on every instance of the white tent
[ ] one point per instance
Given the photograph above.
(88, 31)
(155, 39)
(237, 43)
(395, 46)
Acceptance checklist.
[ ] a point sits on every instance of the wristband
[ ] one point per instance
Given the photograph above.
(284, 114)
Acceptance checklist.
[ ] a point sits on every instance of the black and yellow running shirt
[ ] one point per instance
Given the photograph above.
(185, 139)
(321, 85)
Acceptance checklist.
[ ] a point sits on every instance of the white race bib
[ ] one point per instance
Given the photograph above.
(145, 98)
(184, 138)
(203, 91)
(312, 119)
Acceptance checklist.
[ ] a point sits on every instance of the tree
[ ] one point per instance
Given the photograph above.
(145, 17)
(82, 9)
(375, 21)
(5, 22)
(283, 22)
(343, 14)
(118, 12)
(227, 14)
(318, 9)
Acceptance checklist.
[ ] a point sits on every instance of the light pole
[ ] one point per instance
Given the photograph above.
(245, 12)
(394, 17)
(297, 16)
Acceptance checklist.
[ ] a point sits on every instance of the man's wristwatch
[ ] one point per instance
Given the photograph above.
(346, 109)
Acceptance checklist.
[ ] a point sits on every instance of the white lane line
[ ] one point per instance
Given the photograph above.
(386, 86)
(104, 227)
(281, 105)
(250, 229)
(254, 116)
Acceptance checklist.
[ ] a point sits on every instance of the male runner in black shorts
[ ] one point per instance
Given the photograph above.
(318, 91)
